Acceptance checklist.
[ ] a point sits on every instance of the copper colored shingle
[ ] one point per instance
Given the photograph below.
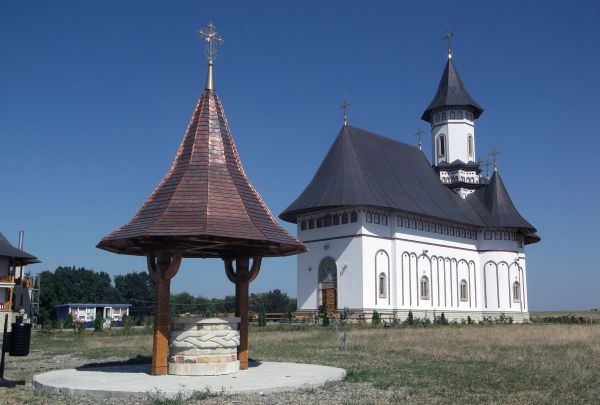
(205, 205)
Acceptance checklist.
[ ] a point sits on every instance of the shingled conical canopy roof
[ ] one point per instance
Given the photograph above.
(451, 92)
(205, 206)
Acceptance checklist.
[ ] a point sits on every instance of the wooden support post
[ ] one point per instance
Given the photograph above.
(242, 276)
(162, 268)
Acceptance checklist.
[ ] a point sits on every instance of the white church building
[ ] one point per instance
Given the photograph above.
(388, 230)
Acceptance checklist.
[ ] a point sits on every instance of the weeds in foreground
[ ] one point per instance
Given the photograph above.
(184, 396)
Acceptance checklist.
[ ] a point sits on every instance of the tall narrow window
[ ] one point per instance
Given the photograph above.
(424, 288)
(470, 145)
(442, 145)
(516, 292)
(464, 290)
(345, 218)
(353, 216)
(369, 217)
(303, 225)
(382, 285)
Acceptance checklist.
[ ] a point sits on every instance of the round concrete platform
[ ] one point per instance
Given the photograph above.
(136, 381)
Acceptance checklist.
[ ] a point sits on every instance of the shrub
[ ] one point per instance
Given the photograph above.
(325, 320)
(79, 325)
(376, 318)
(127, 324)
(98, 323)
(410, 319)
(68, 321)
(262, 316)
(469, 320)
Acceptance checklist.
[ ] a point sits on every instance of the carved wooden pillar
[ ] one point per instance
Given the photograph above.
(162, 268)
(242, 276)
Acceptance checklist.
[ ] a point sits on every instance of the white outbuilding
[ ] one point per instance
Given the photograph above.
(388, 230)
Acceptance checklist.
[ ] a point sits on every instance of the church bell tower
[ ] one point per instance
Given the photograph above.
(452, 114)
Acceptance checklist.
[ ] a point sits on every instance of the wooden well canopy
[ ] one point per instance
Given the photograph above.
(204, 207)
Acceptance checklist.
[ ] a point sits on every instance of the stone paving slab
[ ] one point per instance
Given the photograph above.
(135, 381)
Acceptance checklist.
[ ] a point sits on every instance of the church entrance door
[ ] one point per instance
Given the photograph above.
(328, 287)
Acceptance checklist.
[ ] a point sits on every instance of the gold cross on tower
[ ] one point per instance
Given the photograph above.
(494, 154)
(448, 37)
(419, 134)
(344, 108)
(211, 40)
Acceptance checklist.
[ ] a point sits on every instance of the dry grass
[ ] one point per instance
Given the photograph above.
(455, 364)
(492, 364)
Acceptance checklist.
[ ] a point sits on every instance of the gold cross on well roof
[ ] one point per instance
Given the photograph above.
(211, 39)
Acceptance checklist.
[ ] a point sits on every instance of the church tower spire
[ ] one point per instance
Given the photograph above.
(452, 114)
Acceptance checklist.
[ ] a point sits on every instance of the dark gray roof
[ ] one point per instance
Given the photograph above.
(20, 257)
(493, 203)
(451, 92)
(363, 168)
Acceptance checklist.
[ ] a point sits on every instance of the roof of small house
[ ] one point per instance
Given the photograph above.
(20, 257)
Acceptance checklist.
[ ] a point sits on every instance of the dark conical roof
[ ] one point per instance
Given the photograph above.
(363, 168)
(451, 92)
(205, 205)
(20, 257)
(494, 205)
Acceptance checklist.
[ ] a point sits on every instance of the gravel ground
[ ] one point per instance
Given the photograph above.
(37, 362)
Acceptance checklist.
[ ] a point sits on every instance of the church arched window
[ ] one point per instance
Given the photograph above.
(382, 285)
(336, 220)
(303, 225)
(345, 218)
(320, 222)
(464, 290)
(369, 217)
(311, 223)
(516, 292)
(443, 116)
(376, 218)
(452, 115)
(424, 288)
(437, 118)
(498, 235)
(470, 145)
(384, 220)
(487, 235)
(442, 145)
(459, 115)
(353, 216)
(327, 220)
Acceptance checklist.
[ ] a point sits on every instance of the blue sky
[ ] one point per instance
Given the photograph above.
(95, 98)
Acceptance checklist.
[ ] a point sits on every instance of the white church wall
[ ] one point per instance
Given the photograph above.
(500, 270)
(339, 243)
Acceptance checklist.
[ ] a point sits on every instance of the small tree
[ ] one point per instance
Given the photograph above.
(68, 321)
(443, 320)
(325, 319)
(262, 316)
(376, 318)
(98, 323)
(410, 319)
